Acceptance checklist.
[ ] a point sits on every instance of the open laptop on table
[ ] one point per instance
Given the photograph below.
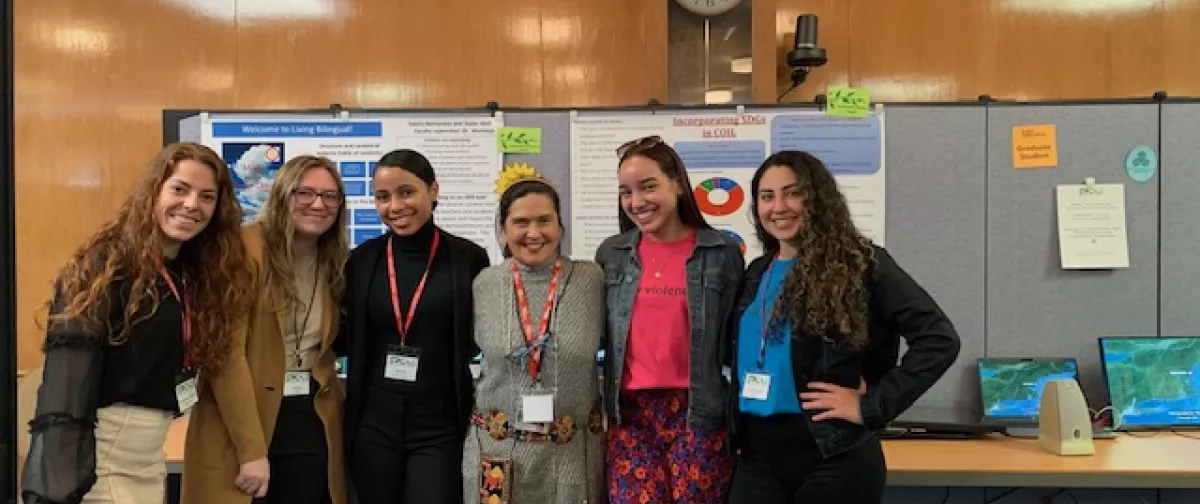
(1011, 392)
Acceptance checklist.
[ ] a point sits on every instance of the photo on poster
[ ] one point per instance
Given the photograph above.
(253, 166)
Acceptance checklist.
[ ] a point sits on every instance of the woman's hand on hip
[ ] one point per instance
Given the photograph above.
(833, 401)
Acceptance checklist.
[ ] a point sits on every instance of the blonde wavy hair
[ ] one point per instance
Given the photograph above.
(127, 250)
(279, 231)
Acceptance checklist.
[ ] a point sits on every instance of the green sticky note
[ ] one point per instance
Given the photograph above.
(519, 140)
(847, 101)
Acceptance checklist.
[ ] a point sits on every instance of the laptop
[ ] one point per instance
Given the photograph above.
(1010, 391)
(924, 422)
(1153, 382)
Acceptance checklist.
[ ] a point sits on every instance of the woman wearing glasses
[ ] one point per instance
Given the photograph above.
(409, 337)
(270, 426)
(539, 320)
(671, 281)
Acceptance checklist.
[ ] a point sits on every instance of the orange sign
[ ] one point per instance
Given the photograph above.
(1034, 146)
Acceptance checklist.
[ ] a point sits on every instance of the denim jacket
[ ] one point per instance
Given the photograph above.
(897, 307)
(714, 274)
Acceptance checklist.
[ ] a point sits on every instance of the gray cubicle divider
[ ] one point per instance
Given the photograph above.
(1034, 307)
(1180, 182)
(936, 166)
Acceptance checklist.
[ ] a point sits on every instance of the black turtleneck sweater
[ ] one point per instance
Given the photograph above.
(431, 329)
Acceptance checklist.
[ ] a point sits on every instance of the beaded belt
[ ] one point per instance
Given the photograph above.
(561, 431)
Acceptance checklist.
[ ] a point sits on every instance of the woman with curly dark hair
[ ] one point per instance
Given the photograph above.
(818, 335)
(142, 310)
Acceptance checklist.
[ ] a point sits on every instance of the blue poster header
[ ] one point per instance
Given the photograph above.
(275, 129)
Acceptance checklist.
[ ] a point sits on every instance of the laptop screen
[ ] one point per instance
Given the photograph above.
(1011, 389)
(1152, 382)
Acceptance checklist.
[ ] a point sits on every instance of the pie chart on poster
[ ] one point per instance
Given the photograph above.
(719, 196)
(741, 242)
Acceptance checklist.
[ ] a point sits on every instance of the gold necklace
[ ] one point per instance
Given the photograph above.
(658, 273)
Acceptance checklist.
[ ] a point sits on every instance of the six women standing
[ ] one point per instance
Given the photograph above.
(811, 331)
(671, 282)
(279, 399)
(539, 321)
(409, 337)
(143, 311)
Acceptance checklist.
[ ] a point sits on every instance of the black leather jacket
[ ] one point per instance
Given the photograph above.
(898, 308)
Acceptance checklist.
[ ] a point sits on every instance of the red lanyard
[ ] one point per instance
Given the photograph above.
(764, 317)
(535, 356)
(403, 323)
(186, 313)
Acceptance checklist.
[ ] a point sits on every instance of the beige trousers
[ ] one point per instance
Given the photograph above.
(131, 467)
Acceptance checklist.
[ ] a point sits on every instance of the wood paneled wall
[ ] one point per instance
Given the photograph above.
(92, 78)
(941, 50)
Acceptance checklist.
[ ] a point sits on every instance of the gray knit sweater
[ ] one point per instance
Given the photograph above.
(568, 467)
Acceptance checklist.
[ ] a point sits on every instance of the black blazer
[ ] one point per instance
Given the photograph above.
(467, 260)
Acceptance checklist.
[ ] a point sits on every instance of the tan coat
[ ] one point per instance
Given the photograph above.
(235, 418)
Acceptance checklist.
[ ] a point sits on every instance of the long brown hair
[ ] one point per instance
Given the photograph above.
(127, 251)
(279, 230)
(825, 291)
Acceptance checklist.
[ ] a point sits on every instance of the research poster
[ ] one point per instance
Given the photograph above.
(462, 150)
(721, 153)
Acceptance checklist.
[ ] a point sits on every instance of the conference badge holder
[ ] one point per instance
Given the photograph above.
(186, 390)
(535, 413)
(296, 383)
(402, 363)
(756, 386)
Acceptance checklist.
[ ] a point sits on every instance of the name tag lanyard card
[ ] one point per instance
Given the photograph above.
(757, 386)
(298, 383)
(402, 360)
(535, 412)
(186, 391)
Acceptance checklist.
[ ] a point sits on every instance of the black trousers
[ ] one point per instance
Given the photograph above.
(780, 464)
(407, 451)
(298, 455)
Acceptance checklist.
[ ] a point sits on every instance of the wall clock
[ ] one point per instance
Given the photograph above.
(709, 7)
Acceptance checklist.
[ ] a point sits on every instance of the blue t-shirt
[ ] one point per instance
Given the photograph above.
(777, 362)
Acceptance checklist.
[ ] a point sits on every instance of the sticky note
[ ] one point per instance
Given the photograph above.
(847, 101)
(519, 140)
(1034, 146)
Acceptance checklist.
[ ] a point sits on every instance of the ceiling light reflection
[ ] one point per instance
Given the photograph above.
(1084, 7)
(909, 87)
(273, 10)
(74, 38)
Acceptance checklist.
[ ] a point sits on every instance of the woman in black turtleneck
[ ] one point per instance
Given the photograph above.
(409, 390)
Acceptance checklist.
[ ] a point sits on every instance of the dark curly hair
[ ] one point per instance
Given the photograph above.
(824, 294)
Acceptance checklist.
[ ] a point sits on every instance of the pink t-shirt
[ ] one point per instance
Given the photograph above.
(657, 354)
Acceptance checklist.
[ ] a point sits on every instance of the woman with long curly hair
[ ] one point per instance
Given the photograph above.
(277, 410)
(145, 308)
(818, 334)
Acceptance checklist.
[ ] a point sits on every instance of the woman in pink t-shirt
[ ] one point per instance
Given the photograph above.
(671, 283)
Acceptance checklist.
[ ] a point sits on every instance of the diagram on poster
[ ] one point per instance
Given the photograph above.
(721, 153)
(461, 149)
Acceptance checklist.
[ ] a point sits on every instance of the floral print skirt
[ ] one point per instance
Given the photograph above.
(653, 457)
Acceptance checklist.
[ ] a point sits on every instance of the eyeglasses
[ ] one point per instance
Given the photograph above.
(308, 196)
(639, 144)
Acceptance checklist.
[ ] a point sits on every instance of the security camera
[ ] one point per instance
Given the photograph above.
(805, 53)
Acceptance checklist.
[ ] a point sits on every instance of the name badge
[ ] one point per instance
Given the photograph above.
(756, 386)
(186, 394)
(402, 363)
(537, 408)
(296, 383)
